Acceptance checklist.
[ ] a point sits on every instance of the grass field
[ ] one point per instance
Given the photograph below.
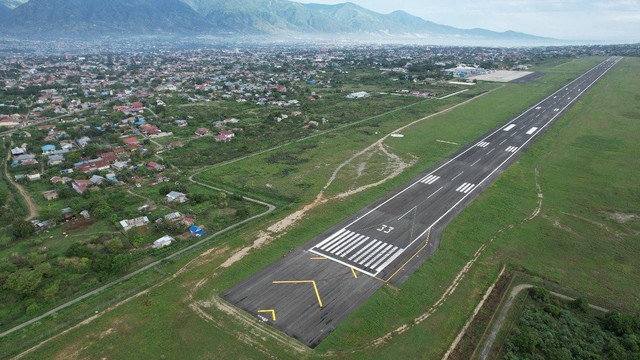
(575, 241)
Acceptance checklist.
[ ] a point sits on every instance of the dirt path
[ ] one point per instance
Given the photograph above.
(33, 209)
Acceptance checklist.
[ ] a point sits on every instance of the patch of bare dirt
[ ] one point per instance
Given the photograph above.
(622, 218)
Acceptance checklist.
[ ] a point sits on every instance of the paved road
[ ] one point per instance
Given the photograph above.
(389, 239)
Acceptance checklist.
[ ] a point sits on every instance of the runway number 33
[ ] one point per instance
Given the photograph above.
(385, 229)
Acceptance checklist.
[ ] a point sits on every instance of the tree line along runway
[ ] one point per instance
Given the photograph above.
(316, 286)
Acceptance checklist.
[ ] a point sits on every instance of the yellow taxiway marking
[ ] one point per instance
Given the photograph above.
(355, 274)
(312, 282)
(414, 255)
(317, 258)
(272, 311)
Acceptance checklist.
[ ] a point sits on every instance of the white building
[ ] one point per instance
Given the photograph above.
(162, 242)
(358, 95)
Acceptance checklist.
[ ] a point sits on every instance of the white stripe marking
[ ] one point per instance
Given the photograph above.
(509, 127)
(455, 177)
(363, 249)
(346, 243)
(435, 192)
(330, 248)
(372, 252)
(352, 246)
(477, 161)
(331, 237)
(407, 213)
(383, 250)
(389, 253)
(532, 130)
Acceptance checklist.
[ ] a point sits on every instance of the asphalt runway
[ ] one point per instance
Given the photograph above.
(311, 290)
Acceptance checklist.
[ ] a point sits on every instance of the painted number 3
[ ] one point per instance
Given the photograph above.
(385, 229)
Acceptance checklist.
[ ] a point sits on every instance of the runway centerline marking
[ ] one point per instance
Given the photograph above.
(407, 213)
(455, 177)
(477, 161)
(435, 192)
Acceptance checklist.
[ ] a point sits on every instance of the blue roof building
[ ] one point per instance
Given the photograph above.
(48, 148)
(196, 230)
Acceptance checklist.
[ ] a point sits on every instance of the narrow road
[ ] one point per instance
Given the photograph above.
(33, 209)
(505, 310)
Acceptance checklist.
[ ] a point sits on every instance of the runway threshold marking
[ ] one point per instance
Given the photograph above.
(271, 311)
(411, 258)
(312, 282)
(355, 274)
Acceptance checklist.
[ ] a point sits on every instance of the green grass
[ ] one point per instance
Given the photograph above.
(590, 259)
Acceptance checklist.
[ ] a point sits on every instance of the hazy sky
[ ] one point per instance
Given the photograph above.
(612, 20)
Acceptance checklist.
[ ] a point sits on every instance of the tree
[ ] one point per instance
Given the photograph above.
(22, 229)
(24, 281)
(242, 212)
(580, 304)
(540, 294)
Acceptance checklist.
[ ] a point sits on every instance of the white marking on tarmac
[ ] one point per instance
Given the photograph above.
(509, 127)
(455, 177)
(465, 188)
(490, 151)
(482, 144)
(512, 149)
(407, 213)
(532, 130)
(429, 179)
(477, 161)
(435, 192)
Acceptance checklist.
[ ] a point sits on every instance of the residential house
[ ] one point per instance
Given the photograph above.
(153, 166)
(182, 123)
(224, 135)
(55, 160)
(173, 217)
(358, 95)
(18, 151)
(50, 195)
(58, 179)
(162, 242)
(80, 186)
(97, 179)
(176, 196)
(196, 230)
(85, 214)
(48, 149)
(119, 165)
(132, 223)
(150, 130)
(34, 177)
(83, 141)
(202, 132)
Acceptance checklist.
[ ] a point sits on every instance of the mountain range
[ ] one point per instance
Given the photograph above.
(240, 17)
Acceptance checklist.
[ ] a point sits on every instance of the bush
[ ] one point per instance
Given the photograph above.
(539, 294)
